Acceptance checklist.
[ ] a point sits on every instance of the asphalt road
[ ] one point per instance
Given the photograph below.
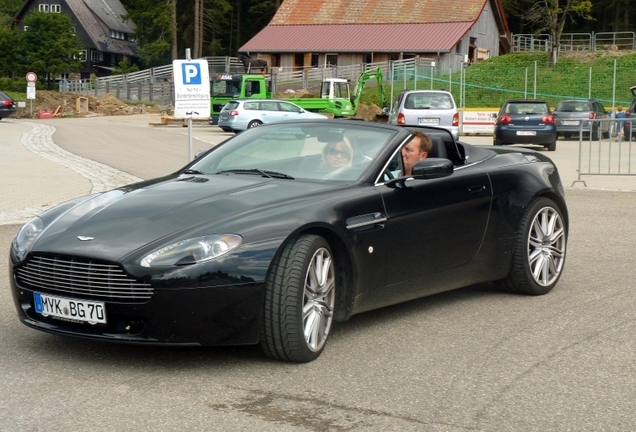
(473, 359)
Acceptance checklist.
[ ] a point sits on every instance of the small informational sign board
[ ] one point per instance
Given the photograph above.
(478, 122)
(191, 88)
(30, 91)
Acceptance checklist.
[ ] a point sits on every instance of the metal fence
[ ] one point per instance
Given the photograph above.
(613, 41)
(609, 155)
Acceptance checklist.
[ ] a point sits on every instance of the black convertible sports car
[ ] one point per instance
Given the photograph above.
(262, 240)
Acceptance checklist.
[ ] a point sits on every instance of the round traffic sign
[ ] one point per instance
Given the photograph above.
(31, 77)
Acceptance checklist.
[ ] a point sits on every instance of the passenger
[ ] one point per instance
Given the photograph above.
(338, 153)
(415, 150)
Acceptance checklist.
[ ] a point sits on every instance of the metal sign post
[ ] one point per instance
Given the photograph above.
(31, 78)
(191, 91)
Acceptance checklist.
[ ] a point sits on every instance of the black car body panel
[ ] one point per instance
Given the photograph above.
(461, 228)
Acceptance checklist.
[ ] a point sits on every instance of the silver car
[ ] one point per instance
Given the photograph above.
(238, 115)
(572, 116)
(426, 108)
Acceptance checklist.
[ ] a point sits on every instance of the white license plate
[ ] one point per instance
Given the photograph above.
(91, 312)
(570, 123)
(526, 132)
(428, 121)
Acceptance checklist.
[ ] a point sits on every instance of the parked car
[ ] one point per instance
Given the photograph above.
(630, 114)
(426, 108)
(525, 121)
(261, 240)
(571, 115)
(7, 105)
(238, 115)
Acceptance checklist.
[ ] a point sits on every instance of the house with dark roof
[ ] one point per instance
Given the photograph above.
(106, 36)
(317, 33)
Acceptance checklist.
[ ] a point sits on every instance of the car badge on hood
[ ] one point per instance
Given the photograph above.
(84, 238)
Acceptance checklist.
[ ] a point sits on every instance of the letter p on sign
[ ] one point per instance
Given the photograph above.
(191, 73)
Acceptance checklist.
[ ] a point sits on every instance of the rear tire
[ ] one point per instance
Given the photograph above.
(254, 123)
(551, 146)
(539, 251)
(300, 293)
(594, 134)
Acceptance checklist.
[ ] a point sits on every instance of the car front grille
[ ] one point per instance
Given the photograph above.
(82, 277)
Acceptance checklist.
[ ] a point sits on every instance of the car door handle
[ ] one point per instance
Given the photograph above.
(476, 189)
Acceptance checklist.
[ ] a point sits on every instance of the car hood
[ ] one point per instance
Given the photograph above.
(116, 223)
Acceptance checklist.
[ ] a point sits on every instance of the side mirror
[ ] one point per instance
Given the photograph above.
(199, 153)
(430, 168)
(493, 115)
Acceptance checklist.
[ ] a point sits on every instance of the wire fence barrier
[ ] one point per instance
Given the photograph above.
(472, 86)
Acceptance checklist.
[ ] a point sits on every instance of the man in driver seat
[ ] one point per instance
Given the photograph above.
(415, 150)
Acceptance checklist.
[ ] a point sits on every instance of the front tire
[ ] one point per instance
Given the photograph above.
(539, 251)
(300, 293)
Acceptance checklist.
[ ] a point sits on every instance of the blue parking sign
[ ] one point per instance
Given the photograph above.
(191, 88)
(191, 73)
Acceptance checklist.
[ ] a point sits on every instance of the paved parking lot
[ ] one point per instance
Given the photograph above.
(472, 359)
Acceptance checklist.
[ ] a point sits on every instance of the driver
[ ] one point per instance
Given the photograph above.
(415, 150)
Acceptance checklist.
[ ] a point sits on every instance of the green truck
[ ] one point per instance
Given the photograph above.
(335, 96)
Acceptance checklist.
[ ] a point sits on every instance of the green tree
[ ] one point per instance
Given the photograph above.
(50, 44)
(153, 20)
(8, 9)
(551, 16)
(10, 47)
(124, 67)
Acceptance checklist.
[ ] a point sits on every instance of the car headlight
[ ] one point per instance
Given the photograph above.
(27, 236)
(193, 251)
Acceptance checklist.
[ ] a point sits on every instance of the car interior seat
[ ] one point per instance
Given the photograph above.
(439, 148)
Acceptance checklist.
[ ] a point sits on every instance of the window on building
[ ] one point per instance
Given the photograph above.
(97, 56)
(81, 56)
(332, 59)
(315, 59)
(299, 60)
(56, 8)
(458, 48)
(43, 8)
(117, 35)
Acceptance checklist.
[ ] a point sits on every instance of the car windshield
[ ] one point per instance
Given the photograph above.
(572, 106)
(527, 108)
(300, 151)
(429, 100)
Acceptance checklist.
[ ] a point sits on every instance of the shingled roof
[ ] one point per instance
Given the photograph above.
(371, 25)
(295, 12)
(99, 17)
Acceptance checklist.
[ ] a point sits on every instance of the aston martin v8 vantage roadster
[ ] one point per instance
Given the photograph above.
(281, 231)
